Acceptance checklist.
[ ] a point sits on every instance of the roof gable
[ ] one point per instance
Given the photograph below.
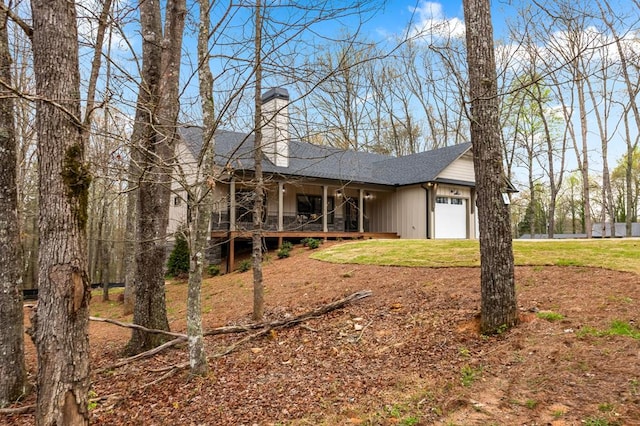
(421, 167)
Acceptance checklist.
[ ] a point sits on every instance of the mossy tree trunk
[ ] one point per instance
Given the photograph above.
(61, 319)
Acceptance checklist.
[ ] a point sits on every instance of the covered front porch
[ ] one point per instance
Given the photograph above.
(294, 206)
(295, 210)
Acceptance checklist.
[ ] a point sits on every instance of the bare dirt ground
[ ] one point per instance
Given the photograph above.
(409, 354)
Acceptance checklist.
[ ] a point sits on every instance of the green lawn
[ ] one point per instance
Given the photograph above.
(616, 254)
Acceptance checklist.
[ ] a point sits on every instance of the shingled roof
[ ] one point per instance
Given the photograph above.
(308, 160)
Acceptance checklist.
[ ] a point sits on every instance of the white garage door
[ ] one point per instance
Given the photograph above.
(451, 218)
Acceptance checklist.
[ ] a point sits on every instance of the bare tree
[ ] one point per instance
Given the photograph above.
(154, 142)
(499, 308)
(432, 70)
(602, 103)
(632, 88)
(61, 319)
(200, 201)
(341, 98)
(258, 198)
(13, 379)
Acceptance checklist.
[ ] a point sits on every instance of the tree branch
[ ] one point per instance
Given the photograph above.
(15, 18)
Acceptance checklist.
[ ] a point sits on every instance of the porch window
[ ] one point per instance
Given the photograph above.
(244, 206)
(442, 200)
(311, 207)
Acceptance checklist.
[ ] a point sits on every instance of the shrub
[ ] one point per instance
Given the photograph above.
(245, 265)
(178, 263)
(213, 270)
(282, 253)
(313, 243)
(285, 249)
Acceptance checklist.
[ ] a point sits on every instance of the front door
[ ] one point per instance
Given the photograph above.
(351, 215)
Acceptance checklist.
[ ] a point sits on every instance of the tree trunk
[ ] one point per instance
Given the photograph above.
(156, 148)
(103, 254)
(149, 302)
(61, 319)
(531, 213)
(130, 229)
(12, 369)
(632, 92)
(202, 201)
(258, 285)
(584, 162)
(499, 309)
(630, 210)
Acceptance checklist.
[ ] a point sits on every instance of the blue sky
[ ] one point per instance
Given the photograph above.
(396, 14)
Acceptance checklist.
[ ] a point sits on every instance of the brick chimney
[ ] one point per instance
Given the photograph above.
(275, 133)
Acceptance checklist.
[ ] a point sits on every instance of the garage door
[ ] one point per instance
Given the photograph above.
(450, 218)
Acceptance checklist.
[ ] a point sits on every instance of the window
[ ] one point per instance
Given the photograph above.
(311, 207)
(457, 201)
(176, 201)
(244, 206)
(442, 200)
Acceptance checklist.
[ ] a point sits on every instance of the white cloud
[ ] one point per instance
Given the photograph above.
(431, 22)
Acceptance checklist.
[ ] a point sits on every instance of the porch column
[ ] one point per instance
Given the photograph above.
(232, 204)
(473, 232)
(432, 210)
(468, 218)
(325, 212)
(429, 195)
(280, 206)
(361, 210)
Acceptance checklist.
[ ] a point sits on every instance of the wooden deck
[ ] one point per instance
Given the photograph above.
(306, 234)
(231, 236)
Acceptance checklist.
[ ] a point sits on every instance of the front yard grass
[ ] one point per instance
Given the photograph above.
(615, 254)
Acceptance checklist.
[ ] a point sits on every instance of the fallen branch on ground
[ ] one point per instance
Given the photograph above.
(138, 327)
(19, 410)
(146, 354)
(264, 327)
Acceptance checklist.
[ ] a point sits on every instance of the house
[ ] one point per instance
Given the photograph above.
(324, 192)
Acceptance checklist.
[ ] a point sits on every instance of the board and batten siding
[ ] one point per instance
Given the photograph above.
(382, 212)
(412, 212)
(461, 169)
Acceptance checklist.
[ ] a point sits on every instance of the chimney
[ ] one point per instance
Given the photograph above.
(275, 133)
